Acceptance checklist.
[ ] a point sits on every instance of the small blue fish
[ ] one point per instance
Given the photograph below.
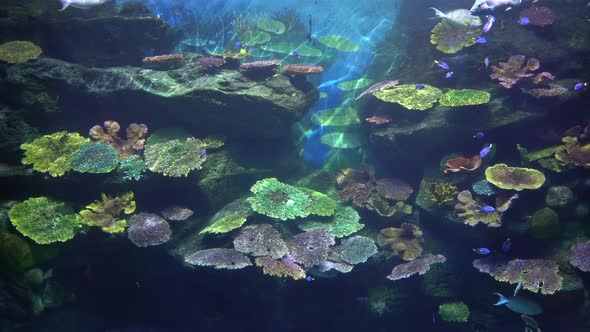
(442, 64)
(524, 20)
(482, 251)
(487, 209)
(309, 278)
(203, 154)
(419, 86)
(449, 74)
(521, 263)
(506, 245)
(295, 53)
(277, 30)
(484, 152)
(489, 24)
(238, 44)
(479, 135)
(481, 40)
(580, 86)
(486, 61)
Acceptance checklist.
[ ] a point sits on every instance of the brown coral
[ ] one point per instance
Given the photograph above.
(406, 241)
(462, 164)
(303, 70)
(574, 153)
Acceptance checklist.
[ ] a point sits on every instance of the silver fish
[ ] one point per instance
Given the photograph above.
(486, 61)
(83, 4)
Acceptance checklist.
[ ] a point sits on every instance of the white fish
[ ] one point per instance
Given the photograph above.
(83, 4)
(486, 61)
(459, 17)
(483, 5)
(518, 288)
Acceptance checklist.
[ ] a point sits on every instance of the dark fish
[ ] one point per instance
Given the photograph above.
(487, 209)
(506, 245)
(482, 251)
(524, 20)
(309, 34)
(520, 304)
(580, 86)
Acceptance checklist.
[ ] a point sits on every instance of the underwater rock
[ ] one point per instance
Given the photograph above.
(225, 102)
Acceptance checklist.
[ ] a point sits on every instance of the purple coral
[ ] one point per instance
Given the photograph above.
(420, 265)
(285, 267)
(260, 240)
(538, 15)
(511, 72)
(219, 258)
(147, 229)
(580, 256)
(210, 63)
(394, 189)
(312, 247)
(176, 213)
(258, 66)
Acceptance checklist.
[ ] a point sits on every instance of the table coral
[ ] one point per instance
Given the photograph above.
(44, 220)
(260, 240)
(339, 43)
(344, 222)
(378, 87)
(220, 258)
(464, 97)
(538, 15)
(420, 265)
(133, 144)
(230, 217)
(148, 229)
(175, 158)
(321, 204)
(285, 267)
(51, 153)
(449, 39)
(406, 242)
(19, 51)
(580, 256)
(176, 213)
(312, 247)
(107, 212)
(409, 97)
(303, 70)
(95, 157)
(278, 200)
(356, 250)
(514, 178)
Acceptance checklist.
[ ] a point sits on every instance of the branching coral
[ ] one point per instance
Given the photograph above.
(409, 97)
(44, 220)
(260, 240)
(441, 193)
(147, 229)
(51, 153)
(406, 241)
(420, 265)
(132, 168)
(514, 178)
(175, 158)
(134, 143)
(19, 51)
(95, 158)
(511, 72)
(219, 258)
(107, 212)
(449, 39)
(472, 213)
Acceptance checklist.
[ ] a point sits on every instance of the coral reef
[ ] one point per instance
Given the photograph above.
(449, 39)
(148, 229)
(51, 153)
(378, 87)
(321, 204)
(260, 240)
(134, 143)
(132, 168)
(471, 213)
(260, 66)
(356, 249)
(44, 220)
(511, 72)
(538, 15)
(514, 178)
(219, 258)
(302, 70)
(163, 62)
(107, 212)
(558, 196)
(462, 164)
(441, 193)
(344, 222)
(420, 265)
(409, 97)
(176, 213)
(545, 224)
(312, 247)
(95, 158)
(285, 267)
(19, 51)
(406, 242)
(580, 256)
(230, 217)
(339, 43)
(455, 312)
(483, 187)
(175, 158)
(552, 90)
(336, 117)
(210, 63)
(464, 97)
(574, 153)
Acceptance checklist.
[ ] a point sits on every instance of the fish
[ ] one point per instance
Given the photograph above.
(486, 61)
(442, 64)
(82, 4)
(459, 17)
(487, 209)
(506, 245)
(486, 5)
(518, 288)
(309, 35)
(524, 20)
(481, 40)
(309, 278)
(482, 251)
(580, 86)
(449, 74)
(520, 304)
(479, 135)
(203, 154)
(296, 54)
(484, 152)
(419, 86)
(238, 44)
(488, 26)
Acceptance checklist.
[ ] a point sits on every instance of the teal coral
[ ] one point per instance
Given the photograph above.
(132, 168)
(95, 158)
(278, 200)
(344, 222)
(409, 97)
(44, 220)
(175, 158)
(456, 312)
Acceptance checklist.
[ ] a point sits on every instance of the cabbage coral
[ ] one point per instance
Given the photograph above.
(514, 178)
(44, 220)
(344, 222)
(455, 312)
(147, 229)
(51, 153)
(175, 158)
(464, 97)
(107, 212)
(409, 97)
(420, 265)
(356, 250)
(95, 158)
(132, 168)
(219, 258)
(449, 39)
(19, 51)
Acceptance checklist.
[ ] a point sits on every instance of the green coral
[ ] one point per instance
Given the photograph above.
(449, 39)
(441, 193)
(273, 26)
(409, 97)
(336, 117)
(455, 312)
(339, 43)
(360, 83)
(230, 217)
(132, 168)
(287, 48)
(44, 220)
(15, 253)
(51, 153)
(321, 204)
(278, 200)
(175, 158)
(343, 140)
(514, 178)
(19, 51)
(464, 97)
(344, 222)
(545, 224)
(95, 157)
(107, 212)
